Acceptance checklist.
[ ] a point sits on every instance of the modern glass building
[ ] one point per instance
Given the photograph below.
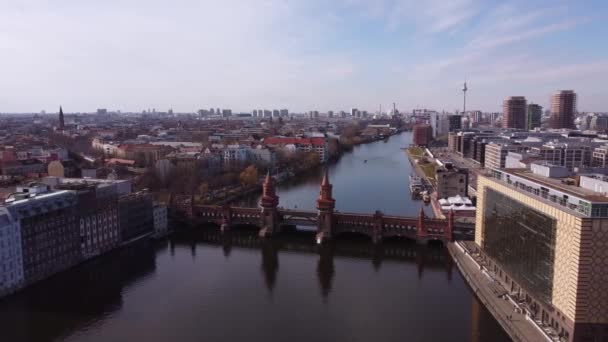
(547, 241)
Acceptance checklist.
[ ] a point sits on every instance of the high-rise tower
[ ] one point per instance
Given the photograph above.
(514, 110)
(325, 205)
(535, 113)
(563, 109)
(61, 120)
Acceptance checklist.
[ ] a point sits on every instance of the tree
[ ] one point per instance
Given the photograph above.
(249, 176)
(308, 160)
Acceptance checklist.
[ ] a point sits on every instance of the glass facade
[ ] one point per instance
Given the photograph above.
(522, 241)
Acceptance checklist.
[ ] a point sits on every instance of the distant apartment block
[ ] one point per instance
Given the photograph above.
(514, 110)
(423, 134)
(317, 145)
(135, 216)
(496, 154)
(563, 109)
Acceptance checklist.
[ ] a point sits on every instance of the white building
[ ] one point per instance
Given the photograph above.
(263, 155)
(440, 123)
(160, 220)
(11, 262)
(236, 153)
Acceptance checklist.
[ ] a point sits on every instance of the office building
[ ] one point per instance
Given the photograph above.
(533, 119)
(496, 154)
(600, 156)
(514, 110)
(135, 216)
(567, 154)
(454, 122)
(563, 109)
(545, 240)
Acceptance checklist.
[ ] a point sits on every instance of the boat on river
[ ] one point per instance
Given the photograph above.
(416, 185)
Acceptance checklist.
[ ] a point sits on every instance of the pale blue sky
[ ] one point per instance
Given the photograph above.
(299, 54)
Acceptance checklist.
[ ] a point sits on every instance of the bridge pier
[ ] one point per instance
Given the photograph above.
(378, 227)
(226, 218)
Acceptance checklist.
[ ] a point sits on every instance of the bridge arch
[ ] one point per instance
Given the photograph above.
(352, 235)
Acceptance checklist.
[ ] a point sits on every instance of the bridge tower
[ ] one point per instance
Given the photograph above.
(269, 203)
(325, 205)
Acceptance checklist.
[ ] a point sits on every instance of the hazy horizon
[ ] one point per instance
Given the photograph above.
(302, 55)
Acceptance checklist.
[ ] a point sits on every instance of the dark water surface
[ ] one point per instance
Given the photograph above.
(203, 286)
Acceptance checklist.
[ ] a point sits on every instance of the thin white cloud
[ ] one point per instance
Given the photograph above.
(300, 54)
(488, 41)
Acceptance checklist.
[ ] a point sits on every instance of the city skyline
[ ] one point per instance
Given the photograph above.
(301, 55)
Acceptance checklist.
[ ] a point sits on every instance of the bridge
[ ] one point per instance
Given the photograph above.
(328, 223)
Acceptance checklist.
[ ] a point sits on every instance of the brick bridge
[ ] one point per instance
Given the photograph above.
(329, 223)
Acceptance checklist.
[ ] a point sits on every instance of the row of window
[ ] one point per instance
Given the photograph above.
(49, 256)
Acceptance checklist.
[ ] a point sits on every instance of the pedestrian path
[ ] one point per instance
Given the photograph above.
(492, 295)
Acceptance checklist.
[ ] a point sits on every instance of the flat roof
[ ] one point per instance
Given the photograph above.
(557, 184)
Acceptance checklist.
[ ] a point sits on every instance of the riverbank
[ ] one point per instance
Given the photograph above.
(494, 297)
(289, 174)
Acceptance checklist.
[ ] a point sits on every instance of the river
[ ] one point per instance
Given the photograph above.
(203, 286)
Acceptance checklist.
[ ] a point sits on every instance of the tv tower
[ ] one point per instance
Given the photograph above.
(464, 93)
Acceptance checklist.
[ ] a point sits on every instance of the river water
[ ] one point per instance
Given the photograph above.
(203, 286)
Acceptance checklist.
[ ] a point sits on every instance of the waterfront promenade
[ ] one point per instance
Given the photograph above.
(491, 294)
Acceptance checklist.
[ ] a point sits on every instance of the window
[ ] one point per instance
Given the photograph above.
(526, 248)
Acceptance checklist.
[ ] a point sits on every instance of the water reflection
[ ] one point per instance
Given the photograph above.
(326, 269)
(270, 263)
(424, 257)
(75, 299)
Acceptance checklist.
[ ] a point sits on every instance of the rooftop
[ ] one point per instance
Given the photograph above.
(560, 184)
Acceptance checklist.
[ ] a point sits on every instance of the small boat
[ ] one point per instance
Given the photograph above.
(365, 161)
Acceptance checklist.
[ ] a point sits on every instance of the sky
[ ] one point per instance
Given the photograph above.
(303, 55)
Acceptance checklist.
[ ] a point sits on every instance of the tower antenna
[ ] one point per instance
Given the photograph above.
(464, 93)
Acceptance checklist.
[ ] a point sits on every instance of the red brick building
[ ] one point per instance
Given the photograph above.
(423, 134)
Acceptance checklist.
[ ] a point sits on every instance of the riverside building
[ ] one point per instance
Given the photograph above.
(545, 239)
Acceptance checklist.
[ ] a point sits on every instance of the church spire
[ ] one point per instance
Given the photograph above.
(61, 120)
